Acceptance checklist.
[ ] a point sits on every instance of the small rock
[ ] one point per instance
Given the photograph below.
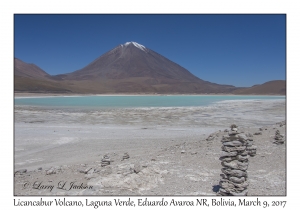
(90, 176)
(125, 156)
(87, 170)
(21, 171)
(105, 161)
(283, 123)
(137, 168)
(233, 143)
(233, 126)
(80, 171)
(249, 135)
(278, 138)
(50, 171)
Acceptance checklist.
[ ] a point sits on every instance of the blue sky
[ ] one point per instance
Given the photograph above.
(240, 50)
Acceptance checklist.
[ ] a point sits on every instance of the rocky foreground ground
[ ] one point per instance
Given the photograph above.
(180, 167)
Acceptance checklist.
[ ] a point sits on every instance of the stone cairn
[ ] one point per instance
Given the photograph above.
(105, 161)
(125, 156)
(250, 147)
(283, 123)
(234, 159)
(278, 138)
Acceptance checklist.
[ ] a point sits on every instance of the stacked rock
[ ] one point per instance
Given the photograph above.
(105, 161)
(125, 156)
(283, 123)
(234, 158)
(278, 138)
(251, 149)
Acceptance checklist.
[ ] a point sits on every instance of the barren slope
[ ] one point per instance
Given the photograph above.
(275, 87)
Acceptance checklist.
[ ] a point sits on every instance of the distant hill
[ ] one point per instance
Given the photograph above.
(275, 87)
(127, 68)
(31, 78)
(23, 69)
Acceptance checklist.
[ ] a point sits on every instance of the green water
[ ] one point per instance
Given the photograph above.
(133, 101)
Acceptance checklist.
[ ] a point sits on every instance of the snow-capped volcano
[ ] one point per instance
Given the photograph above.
(129, 60)
(131, 67)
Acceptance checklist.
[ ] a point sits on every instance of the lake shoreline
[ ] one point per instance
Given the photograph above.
(42, 95)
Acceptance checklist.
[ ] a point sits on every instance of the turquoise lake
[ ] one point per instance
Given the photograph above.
(132, 101)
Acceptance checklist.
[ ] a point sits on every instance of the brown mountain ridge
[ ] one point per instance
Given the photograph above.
(128, 68)
(268, 88)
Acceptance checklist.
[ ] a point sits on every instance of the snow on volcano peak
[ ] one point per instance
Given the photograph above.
(141, 47)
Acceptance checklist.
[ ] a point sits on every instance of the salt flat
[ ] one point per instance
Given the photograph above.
(73, 139)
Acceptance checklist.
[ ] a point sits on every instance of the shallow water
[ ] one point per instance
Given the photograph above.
(91, 102)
